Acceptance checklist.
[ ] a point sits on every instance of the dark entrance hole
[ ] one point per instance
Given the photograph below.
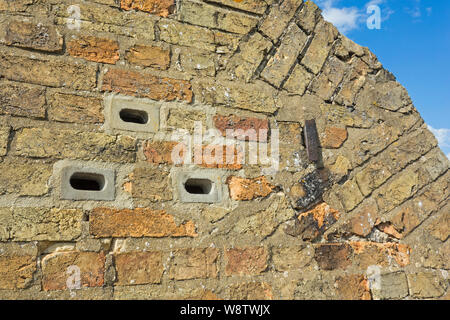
(198, 186)
(87, 181)
(134, 116)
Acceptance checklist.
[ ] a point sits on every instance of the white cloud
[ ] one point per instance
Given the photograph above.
(345, 19)
(442, 135)
(350, 18)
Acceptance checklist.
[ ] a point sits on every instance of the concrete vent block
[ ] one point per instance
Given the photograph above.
(199, 186)
(132, 114)
(87, 183)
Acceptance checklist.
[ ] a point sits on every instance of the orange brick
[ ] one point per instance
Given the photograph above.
(135, 268)
(58, 267)
(210, 161)
(159, 7)
(353, 287)
(16, 272)
(194, 264)
(147, 86)
(159, 152)
(334, 137)
(94, 49)
(139, 222)
(248, 261)
(248, 189)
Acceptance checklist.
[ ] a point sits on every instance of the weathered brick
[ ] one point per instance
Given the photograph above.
(20, 99)
(48, 72)
(246, 129)
(250, 291)
(246, 261)
(66, 107)
(245, 62)
(392, 285)
(148, 56)
(31, 35)
(365, 218)
(24, 179)
(258, 96)
(254, 6)
(159, 7)
(4, 137)
(139, 222)
(222, 156)
(278, 18)
(146, 85)
(97, 18)
(350, 195)
(15, 5)
(248, 189)
(197, 62)
(59, 270)
(333, 256)
(426, 285)
(194, 264)
(94, 49)
(52, 224)
(279, 65)
(185, 119)
(292, 258)
(206, 15)
(329, 79)
(298, 81)
(187, 35)
(353, 287)
(16, 271)
(366, 254)
(160, 152)
(402, 187)
(134, 268)
(150, 183)
(316, 221)
(46, 143)
(334, 137)
(317, 53)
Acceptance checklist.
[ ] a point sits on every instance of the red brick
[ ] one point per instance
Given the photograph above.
(94, 49)
(246, 261)
(224, 123)
(139, 222)
(159, 7)
(248, 189)
(135, 268)
(55, 266)
(194, 264)
(147, 86)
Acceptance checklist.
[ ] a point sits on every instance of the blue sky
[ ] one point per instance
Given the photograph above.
(413, 42)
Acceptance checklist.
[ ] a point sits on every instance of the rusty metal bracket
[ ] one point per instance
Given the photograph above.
(312, 140)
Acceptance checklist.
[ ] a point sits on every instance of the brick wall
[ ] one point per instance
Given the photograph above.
(369, 220)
